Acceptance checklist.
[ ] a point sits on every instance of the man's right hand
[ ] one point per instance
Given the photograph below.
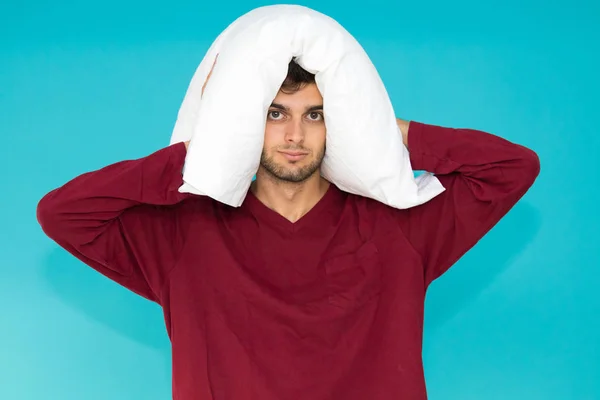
(203, 86)
(209, 74)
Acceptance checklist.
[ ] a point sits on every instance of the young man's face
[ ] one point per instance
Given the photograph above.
(294, 144)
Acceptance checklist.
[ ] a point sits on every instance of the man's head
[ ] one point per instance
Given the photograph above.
(294, 144)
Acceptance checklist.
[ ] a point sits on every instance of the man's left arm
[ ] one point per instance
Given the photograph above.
(484, 176)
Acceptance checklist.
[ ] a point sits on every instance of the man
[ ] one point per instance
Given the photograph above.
(303, 292)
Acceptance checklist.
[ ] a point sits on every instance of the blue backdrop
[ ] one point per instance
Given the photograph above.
(84, 84)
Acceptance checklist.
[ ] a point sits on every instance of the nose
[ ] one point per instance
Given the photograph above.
(294, 131)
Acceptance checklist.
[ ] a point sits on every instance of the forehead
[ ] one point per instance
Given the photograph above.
(309, 95)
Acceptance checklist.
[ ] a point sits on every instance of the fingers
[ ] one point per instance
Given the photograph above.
(209, 74)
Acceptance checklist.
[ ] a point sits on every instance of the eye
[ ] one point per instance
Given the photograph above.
(274, 115)
(316, 116)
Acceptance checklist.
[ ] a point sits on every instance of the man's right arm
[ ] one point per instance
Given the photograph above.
(124, 220)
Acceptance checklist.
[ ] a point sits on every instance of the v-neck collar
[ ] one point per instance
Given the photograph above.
(262, 212)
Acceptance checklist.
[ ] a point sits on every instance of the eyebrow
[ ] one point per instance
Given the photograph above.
(308, 109)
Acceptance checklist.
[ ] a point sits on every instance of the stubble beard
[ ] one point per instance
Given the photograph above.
(290, 175)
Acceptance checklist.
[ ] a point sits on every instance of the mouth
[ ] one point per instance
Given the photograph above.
(294, 155)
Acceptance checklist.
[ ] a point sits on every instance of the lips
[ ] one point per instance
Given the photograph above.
(293, 155)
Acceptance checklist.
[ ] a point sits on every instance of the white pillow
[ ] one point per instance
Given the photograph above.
(365, 154)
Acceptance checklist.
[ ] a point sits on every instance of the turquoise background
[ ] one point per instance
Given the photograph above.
(84, 84)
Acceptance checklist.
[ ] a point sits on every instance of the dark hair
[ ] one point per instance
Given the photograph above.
(297, 77)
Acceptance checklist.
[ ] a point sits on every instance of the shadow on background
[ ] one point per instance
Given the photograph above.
(476, 270)
(104, 301)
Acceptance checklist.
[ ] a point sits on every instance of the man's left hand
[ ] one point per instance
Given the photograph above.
(403, 125)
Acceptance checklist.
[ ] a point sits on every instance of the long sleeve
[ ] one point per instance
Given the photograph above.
(126, 220)
(484, 176)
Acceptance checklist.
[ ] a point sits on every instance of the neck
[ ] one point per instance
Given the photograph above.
(291, 200)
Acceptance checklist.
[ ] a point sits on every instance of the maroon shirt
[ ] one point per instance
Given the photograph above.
(259, 308)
